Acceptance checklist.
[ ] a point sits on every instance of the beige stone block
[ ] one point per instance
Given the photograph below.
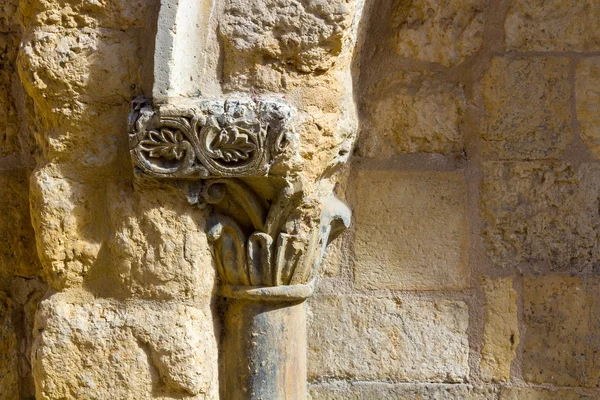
(541, 214)
(588, 102)
(104, 349)
(18, 254)
(380, 391)
(444, 32)
(288, 34)
(500, 330)
(542, 394)
(417, 115)
(560, 340)
(9, 351)
(388, 339)
(411, 231)
(527, 108)
(553, 25)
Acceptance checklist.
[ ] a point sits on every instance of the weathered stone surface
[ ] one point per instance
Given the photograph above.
(149, 244)
(561, 345)
(553, 25)
(159, 248)
(388, 339)
(153, 350)
(444, 32)
(501, 329)
(289, 34)
(9, 351)
(335, 256)
(527, 107)
(542, 394)
(9, 118)
(588, 102)
(25, 295)
(17, 240)
(8, 15)
(411, 230)
(80, 63)
(541, 213)
(379, 391)
(411, 114)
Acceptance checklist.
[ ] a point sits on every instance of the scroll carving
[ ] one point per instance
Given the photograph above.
(265, 228)
(234, 138)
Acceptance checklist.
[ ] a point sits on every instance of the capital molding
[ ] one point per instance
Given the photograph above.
(267, 228)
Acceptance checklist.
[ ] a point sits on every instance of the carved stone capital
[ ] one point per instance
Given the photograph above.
(267, 228)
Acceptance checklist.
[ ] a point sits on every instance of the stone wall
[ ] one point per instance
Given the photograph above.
(470, 270)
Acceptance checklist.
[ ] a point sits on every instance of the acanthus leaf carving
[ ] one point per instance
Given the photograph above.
(265, 229)
(233, 138)
(164, 143)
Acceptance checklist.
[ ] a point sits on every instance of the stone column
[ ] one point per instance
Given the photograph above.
(251, 117)
(267, 230)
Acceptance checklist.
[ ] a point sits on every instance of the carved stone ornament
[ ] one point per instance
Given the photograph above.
(256, 241)
(267, 230)
(233, 138)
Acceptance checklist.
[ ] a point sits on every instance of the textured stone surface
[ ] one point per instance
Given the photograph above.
(501, 329)
(544, 214)
(542, 394)
(396, 339)
(553, 25)
(156, 247)
(527, 108)
(588, 102)
(9, 118)
(17, 240)
(80, 63)
(155, 350)
(379, 391)
(411, 114)
(444, 32)
(411, 230)
(8, 14)
(9, 351)
(302, 36)
(561, 343)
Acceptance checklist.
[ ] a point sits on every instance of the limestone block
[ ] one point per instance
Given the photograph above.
(560, 340)
(418, 115)
(542, 394)
(17, 239)
(289, 34)
(9, 118)
(148, 244)
(411, 231)
(367, 338)
(380, 391)
(588, 102)
(9, 351)
(541, 213)
(80, 63)
(159, 249)
(553, 25)
(527, 107)
(70, 224)
(501, 329)
(444, 32)
(104, 349)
